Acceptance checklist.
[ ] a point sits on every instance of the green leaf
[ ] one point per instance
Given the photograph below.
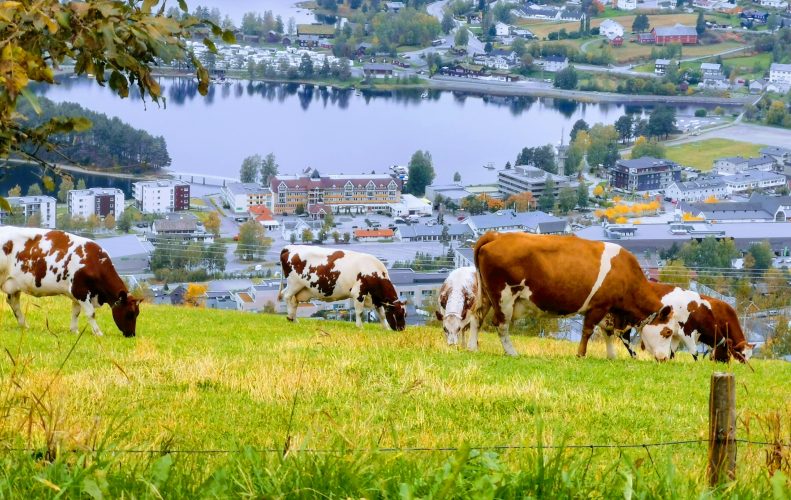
(183, 6)
(228, 36)
(147, 4)
(160, 470)
(119, 83)
(49, 184)
(90, 487)
(215, 30)
(210, 45)
(32, 99)
(4, 205)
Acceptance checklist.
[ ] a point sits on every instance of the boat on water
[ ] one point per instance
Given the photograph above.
(424, 95)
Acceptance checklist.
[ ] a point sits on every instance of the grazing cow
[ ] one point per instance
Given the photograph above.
(565, 275)
(330, 275)
(43, 262)
(701, 319)
(459, 309)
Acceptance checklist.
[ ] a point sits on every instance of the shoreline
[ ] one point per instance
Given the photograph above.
(87, 171)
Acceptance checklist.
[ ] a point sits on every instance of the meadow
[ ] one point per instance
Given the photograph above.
(701, 154)
(205, 403)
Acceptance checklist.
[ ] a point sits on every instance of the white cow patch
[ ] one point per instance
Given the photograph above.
(609, 253)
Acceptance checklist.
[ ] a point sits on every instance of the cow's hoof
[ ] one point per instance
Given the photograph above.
(290, 319)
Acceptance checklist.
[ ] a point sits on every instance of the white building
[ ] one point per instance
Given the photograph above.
(553, 63)
(711, 69)
(411, 205)
(753, 179)
(610, 29)
(736, 164)
(160, 197)
(775, 4)
(698, 190)
(96, 201)
(241, 196)
(627, 4)
(660, 66)
(780, 73)
(27, 206)
(502, 29)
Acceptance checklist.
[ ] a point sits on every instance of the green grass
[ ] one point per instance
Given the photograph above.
(701, 154)
(203, 380)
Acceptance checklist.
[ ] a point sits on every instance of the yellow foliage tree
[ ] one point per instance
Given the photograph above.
(621, 220)
(688, 217)
(598, 191)
(616, 199)
(195, 295)
(495, 204)
(521, 202)
(711, 199)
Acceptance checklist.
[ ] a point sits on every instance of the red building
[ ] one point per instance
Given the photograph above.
(686, 35)
(617, 41)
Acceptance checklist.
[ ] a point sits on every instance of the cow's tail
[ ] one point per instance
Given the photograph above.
(482, 296)
(483, 240)
(283, 259)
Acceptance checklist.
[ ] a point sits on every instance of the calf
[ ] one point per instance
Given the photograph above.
(330, 275)
(43, 262)
(459, 308)
(566, 275)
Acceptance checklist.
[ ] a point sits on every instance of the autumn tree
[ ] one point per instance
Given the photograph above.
(253, 242)
(521, 202)
(66, 185)
(34, 190)
(15, 191)
(109, 222)
(212, 223)
(643, 147)
(307, 235)
(195, 296)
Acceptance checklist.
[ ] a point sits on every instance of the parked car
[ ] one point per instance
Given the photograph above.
(399, 220)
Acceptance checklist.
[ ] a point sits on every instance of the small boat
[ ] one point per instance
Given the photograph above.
(424, 95)
(358, 92)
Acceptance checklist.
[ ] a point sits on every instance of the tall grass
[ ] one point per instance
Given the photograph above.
(153, 416)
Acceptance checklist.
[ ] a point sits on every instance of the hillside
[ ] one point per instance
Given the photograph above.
(213, 380)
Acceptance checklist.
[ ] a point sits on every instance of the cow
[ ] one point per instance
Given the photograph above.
(43, 262)
(566, 275)
(701, 318)
(330, 275)
(459, 307)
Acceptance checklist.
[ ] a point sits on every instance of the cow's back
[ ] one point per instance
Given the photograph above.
(458, 292)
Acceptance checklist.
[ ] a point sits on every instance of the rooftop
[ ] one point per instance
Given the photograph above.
(705, 183)
(315, 29)
(780, 67)
(677, 30)
(96, 191)
(373, 233)
(248, 188)
(510, 218)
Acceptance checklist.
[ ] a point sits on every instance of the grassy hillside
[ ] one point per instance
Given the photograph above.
(209, 380)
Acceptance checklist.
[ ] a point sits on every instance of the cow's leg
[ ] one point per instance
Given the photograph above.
(476, 322)
(291, 307)
(89, 308)
(359, 307)
(16, 306)
(75, 315)
(507, 310)
(608, 338)
(380, 311)
(592, 318)
(472, 341)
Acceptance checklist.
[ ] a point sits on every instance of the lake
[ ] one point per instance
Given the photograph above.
(237, 8)
(339, 131)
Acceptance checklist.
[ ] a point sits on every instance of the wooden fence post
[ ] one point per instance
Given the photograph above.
(722, 427)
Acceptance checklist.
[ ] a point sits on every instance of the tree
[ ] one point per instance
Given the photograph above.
(675, 273)
(710, 256)
(577, 127)
(700, 24)
(777, 113)
(566, 78)
(329, 221)
(662, 121)
(15, 191)
(421, 173)
(109, 222)
(81, 184)
(122, 39)
(269, 169)
(447, 23)
(34, 220)
(640, 23)
(521, 202)
(253, 242)
(125, 221)
(66, 185)
(92, 223)
(644, 147)
(292, 238)
(34, 190)
(195, 296)
(762, 256)
(336, 236)
(473, 204)
(456, 177)
(251, 165)
(212, 223)
(623, 126)
(462, 37)
(300, 209)
(347, 237)
(306, 66)
(546, 201)
(519, 47)
(567, 199)
(307, 235)
(582, 195)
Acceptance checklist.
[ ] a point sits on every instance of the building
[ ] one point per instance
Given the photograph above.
(25, 207)
(610, 29)
(715, 82)
(736, 164)
(263, 215)
(697, 190)
(782, 156)
(553, 63)
(507, 221)
(240, 196)
(757, 86)
(342, 193)
(660, 66)
(626, 4)
(451, 192)
(502, 29)
(394, 7)
(685, 35)
(373, 234)
(759, 208)
(774, 4)
(527, 178)
(161, 197)
(646, 38)
(411, 205)
(751, 180)
(318, 30)
(418, 288)
(377, 70)
(181, 227)
(130, 253)
(644, 174)
(421, 232)
(96, 201)
(711, 69)
(780, 73)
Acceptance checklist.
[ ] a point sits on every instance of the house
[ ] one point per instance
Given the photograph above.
(377, 70)
(774, 4)
(163, 196)
(626, 4)
(411, 205)
(527, 178)
(263, 215)
(240, 196)
(553, 63)
(644, 174)
(95, 201)
(505, 221)
(317, 30)
(782, 156)
(751, 180)
(523, 33)
(715, 82)
(697, 190)
(25, 207)
(182, 227)
(570, 14)
(373, 234)
(418, 289)
(394, 7)
(617, 41)
(753, 17)
(685, 35)
(611, 29)
(711, 69)
(736, 164)
(780, 73)
(660, 66)
(341, 193)
(502, 29)
(757, 86)
(452, 192)
(421, 232)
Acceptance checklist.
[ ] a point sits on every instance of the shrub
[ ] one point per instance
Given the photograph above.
(700, 113)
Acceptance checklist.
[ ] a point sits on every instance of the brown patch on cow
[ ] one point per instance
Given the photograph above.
(32, 259)
(60, 243)
(8, 247)
(298, 264)
(326, 274)
(666, 333)
(444, 292)
(80, 252)
(469, 302)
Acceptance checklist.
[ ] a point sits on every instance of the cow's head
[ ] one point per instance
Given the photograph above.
(742, 352)
(453, 326)
(395, 314)
(125, 311)
(657, 333)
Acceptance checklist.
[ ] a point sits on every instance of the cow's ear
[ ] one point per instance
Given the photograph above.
(439, 315)
(664, 314)
(751, 345)
(122, 295)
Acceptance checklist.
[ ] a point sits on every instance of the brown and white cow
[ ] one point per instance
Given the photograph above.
(329, 275)
(459, 308)
(701, 318)
(566, 275)
(43, 262)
